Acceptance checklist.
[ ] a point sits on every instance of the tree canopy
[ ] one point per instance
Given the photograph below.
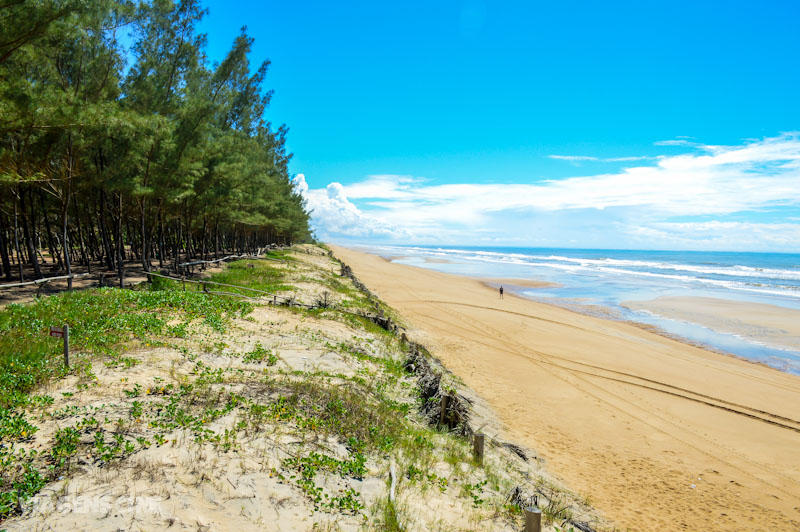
(151, 152)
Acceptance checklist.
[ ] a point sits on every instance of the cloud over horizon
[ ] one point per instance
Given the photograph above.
(743, 197)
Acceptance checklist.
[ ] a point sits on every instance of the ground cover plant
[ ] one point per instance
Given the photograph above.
(101, 323)
(264, 275)
(316, 401)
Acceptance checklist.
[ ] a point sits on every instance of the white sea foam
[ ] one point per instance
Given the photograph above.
(742, 278)
(733, 271)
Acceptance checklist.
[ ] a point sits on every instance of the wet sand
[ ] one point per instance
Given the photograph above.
(523, 283)
(755, 321)
(660, 435)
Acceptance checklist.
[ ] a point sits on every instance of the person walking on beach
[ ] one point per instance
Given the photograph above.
(501, 292)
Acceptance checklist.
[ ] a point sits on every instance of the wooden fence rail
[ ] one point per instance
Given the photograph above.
(45, 280)
(229, 257)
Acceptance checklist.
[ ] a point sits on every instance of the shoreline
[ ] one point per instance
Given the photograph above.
(774, 329)
(612, 406)
(654, 308)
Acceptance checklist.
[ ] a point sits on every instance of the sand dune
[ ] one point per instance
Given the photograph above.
(659, 434)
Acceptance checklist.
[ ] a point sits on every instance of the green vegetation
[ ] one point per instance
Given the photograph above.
(168, 159)
(257, 274)
(307, 468)
(260, 354)
(101, 323)
(220, 392)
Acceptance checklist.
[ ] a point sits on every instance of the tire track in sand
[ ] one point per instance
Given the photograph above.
(723, 404)
(512, 347)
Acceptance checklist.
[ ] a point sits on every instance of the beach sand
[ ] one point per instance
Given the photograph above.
(755, 321)
(660, 435)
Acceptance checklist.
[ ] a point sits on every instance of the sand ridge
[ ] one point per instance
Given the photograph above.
(659, 434)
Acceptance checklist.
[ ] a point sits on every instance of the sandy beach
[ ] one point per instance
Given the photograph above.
(660, 435)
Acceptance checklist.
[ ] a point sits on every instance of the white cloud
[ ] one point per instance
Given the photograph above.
(581, 158)
(718, 235)
(333, 214)
(681, 141)
(573, 158)
(635, 205)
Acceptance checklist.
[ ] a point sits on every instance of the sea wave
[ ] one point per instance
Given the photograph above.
(733, 271)
(737, 270)
(739, 277)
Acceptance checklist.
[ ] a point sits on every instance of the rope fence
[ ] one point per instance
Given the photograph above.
(289, 301)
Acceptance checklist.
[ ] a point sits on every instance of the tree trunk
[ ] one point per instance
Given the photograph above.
(105, 232)
(216, 239)
(93, 248)
(65, 241)
(145, 249)
(54, 257)
(203, 254)
(16, 243)
(120, 251)
(84, 257)
(4, 249)
(29, 243)
(160, 240)
(177, 244)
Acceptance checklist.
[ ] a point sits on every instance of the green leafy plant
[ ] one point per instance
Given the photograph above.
(260, 354)
(475, 491)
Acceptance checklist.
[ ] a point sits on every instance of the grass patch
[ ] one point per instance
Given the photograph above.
(385, 517)
(256, 274)
(100, 322)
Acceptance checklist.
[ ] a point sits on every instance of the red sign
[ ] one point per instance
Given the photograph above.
(58, 332)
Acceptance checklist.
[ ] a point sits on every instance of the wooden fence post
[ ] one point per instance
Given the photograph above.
(533, 519)
(477, 447)
(443, 407)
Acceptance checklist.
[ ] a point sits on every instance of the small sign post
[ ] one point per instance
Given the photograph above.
(62, 332)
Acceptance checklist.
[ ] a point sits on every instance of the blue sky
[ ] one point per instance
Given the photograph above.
(574, 124)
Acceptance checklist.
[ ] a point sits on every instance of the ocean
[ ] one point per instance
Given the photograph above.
(599, 281)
